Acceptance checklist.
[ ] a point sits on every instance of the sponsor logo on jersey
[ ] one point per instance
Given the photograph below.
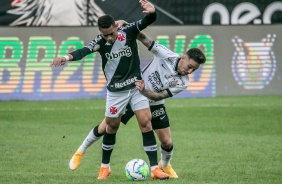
(125, 51)
(158, 112)
(155, 81)
(127, 82)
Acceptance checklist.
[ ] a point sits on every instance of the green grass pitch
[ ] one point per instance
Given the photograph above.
(217, 140)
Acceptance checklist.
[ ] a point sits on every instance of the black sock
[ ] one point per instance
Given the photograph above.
(167, 150)
(150, 147)
(109, 141)
(96, 133)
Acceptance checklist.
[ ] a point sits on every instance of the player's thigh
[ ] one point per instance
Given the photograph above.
(138, 101)
(116, 103)
(143, 116)
(141, 109)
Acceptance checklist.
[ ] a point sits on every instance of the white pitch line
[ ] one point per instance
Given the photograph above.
(224, 105)
(167, 105)
(52, 109)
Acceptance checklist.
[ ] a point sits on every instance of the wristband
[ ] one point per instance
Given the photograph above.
(66, 57)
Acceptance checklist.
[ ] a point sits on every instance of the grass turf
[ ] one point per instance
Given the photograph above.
(216, 140)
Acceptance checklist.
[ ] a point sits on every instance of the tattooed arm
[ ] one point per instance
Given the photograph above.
(140, 85)
(142, 37)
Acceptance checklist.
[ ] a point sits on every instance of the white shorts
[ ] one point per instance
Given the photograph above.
(117, 102)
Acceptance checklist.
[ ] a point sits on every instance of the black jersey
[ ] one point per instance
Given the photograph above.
(120, 61)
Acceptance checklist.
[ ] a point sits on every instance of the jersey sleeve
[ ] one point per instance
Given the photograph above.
(146, 21)
(161, 51)
(93, 46)
(137, 26)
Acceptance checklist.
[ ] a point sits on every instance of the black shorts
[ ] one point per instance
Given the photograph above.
(159, 116)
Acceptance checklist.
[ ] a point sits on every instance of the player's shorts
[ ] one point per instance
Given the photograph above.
(159, 116)
(117, 102)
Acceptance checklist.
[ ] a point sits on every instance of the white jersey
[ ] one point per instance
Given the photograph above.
(161, 73)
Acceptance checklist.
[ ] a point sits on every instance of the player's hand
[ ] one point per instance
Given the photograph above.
(119, 23)
(59, 61)
(147, 6)
(140, 85)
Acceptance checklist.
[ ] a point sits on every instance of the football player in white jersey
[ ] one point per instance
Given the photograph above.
(121, 67)
(163, 77)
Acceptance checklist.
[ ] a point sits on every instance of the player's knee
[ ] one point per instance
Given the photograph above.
(145, 125)
(112, 124)
(166, 143)
(101, 129)
(112, 128)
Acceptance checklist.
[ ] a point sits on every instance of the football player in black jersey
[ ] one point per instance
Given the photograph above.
(121, 67)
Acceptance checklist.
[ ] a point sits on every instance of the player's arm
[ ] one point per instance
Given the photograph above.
(140, 85)
(72, 56)
(77, 54)
(158, 50)
(154, 95)
(143, 38)
(151, 15)
(137, 26)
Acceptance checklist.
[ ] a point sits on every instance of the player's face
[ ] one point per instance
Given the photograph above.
(187, 66)
(109, 34)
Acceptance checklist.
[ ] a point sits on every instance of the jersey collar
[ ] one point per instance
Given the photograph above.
(175, 69)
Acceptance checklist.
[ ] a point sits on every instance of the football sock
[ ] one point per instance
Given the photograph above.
(108, 145)
(105, 165)
(90, 139)
(150, 147)
(166, 155)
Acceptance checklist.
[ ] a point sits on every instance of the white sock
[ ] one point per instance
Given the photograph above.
(88, 141)
(153, 167)
(166, 157)
(105, 165)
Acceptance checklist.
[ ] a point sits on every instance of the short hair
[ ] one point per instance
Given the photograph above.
(197, 55)
(106, 21)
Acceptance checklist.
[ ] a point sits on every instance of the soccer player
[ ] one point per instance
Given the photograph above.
(121, 66)
(164, 77)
